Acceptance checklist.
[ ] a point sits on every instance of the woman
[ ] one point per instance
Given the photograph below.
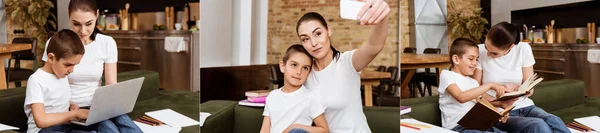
(504, 62)
(335, 75)
(100, 58)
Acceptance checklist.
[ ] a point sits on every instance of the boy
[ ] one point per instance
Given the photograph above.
(47, 96)
(292, 108)
(457, 89)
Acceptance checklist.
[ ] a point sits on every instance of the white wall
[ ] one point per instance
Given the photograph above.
(62, 14)
(242, 32)
(501, 8)
(259, 33)
(216, 33)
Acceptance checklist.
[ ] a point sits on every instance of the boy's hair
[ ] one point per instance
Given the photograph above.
(459, 47)
(65, 43)
(296, 48)
(502, 35)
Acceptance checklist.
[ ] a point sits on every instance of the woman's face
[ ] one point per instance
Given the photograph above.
(83, 23)
(495, 52)
(315, 38)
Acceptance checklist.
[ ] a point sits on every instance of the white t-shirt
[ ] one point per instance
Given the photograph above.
(452, 110)
(506, 69)
(285, 109)
(87, 75)
(47, 89)
(338, 86)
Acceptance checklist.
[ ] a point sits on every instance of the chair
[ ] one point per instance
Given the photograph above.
(276, 76)
(386, 95)
(429, 78)
(415, 80)
(410, 50)
(16, 73)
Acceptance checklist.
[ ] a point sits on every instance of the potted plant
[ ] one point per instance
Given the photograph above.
(33, 16)
(465, 25)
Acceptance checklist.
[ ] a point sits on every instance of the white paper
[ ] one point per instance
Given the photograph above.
(157, 129)
(7, 127)
(593, 55)
(590, 121)
(203, 116)
(433, 129)
(172, 118)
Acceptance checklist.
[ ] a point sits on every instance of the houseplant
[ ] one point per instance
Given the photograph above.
(33, 17)
(466, 23)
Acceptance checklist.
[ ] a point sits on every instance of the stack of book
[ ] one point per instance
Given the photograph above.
(255, 98)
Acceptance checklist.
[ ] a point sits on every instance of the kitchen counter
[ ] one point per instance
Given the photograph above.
(144, 50)
(567, 60)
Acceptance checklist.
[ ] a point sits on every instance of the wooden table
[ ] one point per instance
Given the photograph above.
(5, 53)
(368, 79)
(411, 62)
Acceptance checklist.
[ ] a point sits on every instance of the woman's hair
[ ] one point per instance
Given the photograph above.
(502, 35)
(460, 46)
(295, 48)
(317, 17)
(64, 44)
(85, 6)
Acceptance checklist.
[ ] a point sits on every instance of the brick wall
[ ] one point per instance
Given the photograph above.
(347, 35)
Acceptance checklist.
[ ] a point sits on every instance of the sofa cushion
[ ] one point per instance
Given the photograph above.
(150, 85)
(12, 112)
(589, 108)
(424, 109)
(183, 102)
(559, 94)
(247, 119)
(221, 118)
(383, 119)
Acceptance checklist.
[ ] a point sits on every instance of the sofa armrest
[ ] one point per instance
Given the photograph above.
(247, 119)
(12, 112)
(426, 109)
(559, 94)
(221, 118)
(383, 119)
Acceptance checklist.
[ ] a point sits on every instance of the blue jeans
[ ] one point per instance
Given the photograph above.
(65, 128)
(462, 129)
(118, 124)
(532, 119)
(298, 130)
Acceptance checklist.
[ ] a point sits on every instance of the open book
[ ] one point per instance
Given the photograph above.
(483, 115)
(523, 90)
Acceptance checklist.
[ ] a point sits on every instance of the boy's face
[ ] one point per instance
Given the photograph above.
(63, 67)
(468, 62)
(296, 69)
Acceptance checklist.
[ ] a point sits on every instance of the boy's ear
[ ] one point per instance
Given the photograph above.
(455, 59)
(281, 66)
(51, 57)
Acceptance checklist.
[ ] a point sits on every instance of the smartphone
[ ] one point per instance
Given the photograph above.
(349, 9)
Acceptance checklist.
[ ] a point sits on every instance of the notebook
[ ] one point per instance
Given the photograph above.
(405, 110)
(251, 104)
(157, 129)
(7, 127)
(482, 116)
(523, 90)
(590, 121)
(422, 127)
(172, 118)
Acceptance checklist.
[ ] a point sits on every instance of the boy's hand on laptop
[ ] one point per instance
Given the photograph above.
(73, 107)
(82, 114)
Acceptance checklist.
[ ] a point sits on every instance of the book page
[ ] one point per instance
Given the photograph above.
(590, 121)
(426, 128)
(172, 118)
(7, 127)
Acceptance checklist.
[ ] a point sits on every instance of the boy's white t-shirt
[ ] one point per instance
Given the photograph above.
(338, 88)
(507, 69)
(47, 89)
(452, 110)
(87, 75)
(285, 109)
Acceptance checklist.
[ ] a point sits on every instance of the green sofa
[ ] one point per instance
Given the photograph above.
(229, 117)
(564, 98)
(149, 99)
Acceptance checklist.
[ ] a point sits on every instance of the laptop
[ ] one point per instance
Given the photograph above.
(112, 100)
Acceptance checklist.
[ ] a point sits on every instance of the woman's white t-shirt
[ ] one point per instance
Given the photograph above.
(452, 110)
(87, 75)
(338, 86)
(285, 109)
(506, 69)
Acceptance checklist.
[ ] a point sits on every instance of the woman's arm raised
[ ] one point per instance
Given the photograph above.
(378, 16)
